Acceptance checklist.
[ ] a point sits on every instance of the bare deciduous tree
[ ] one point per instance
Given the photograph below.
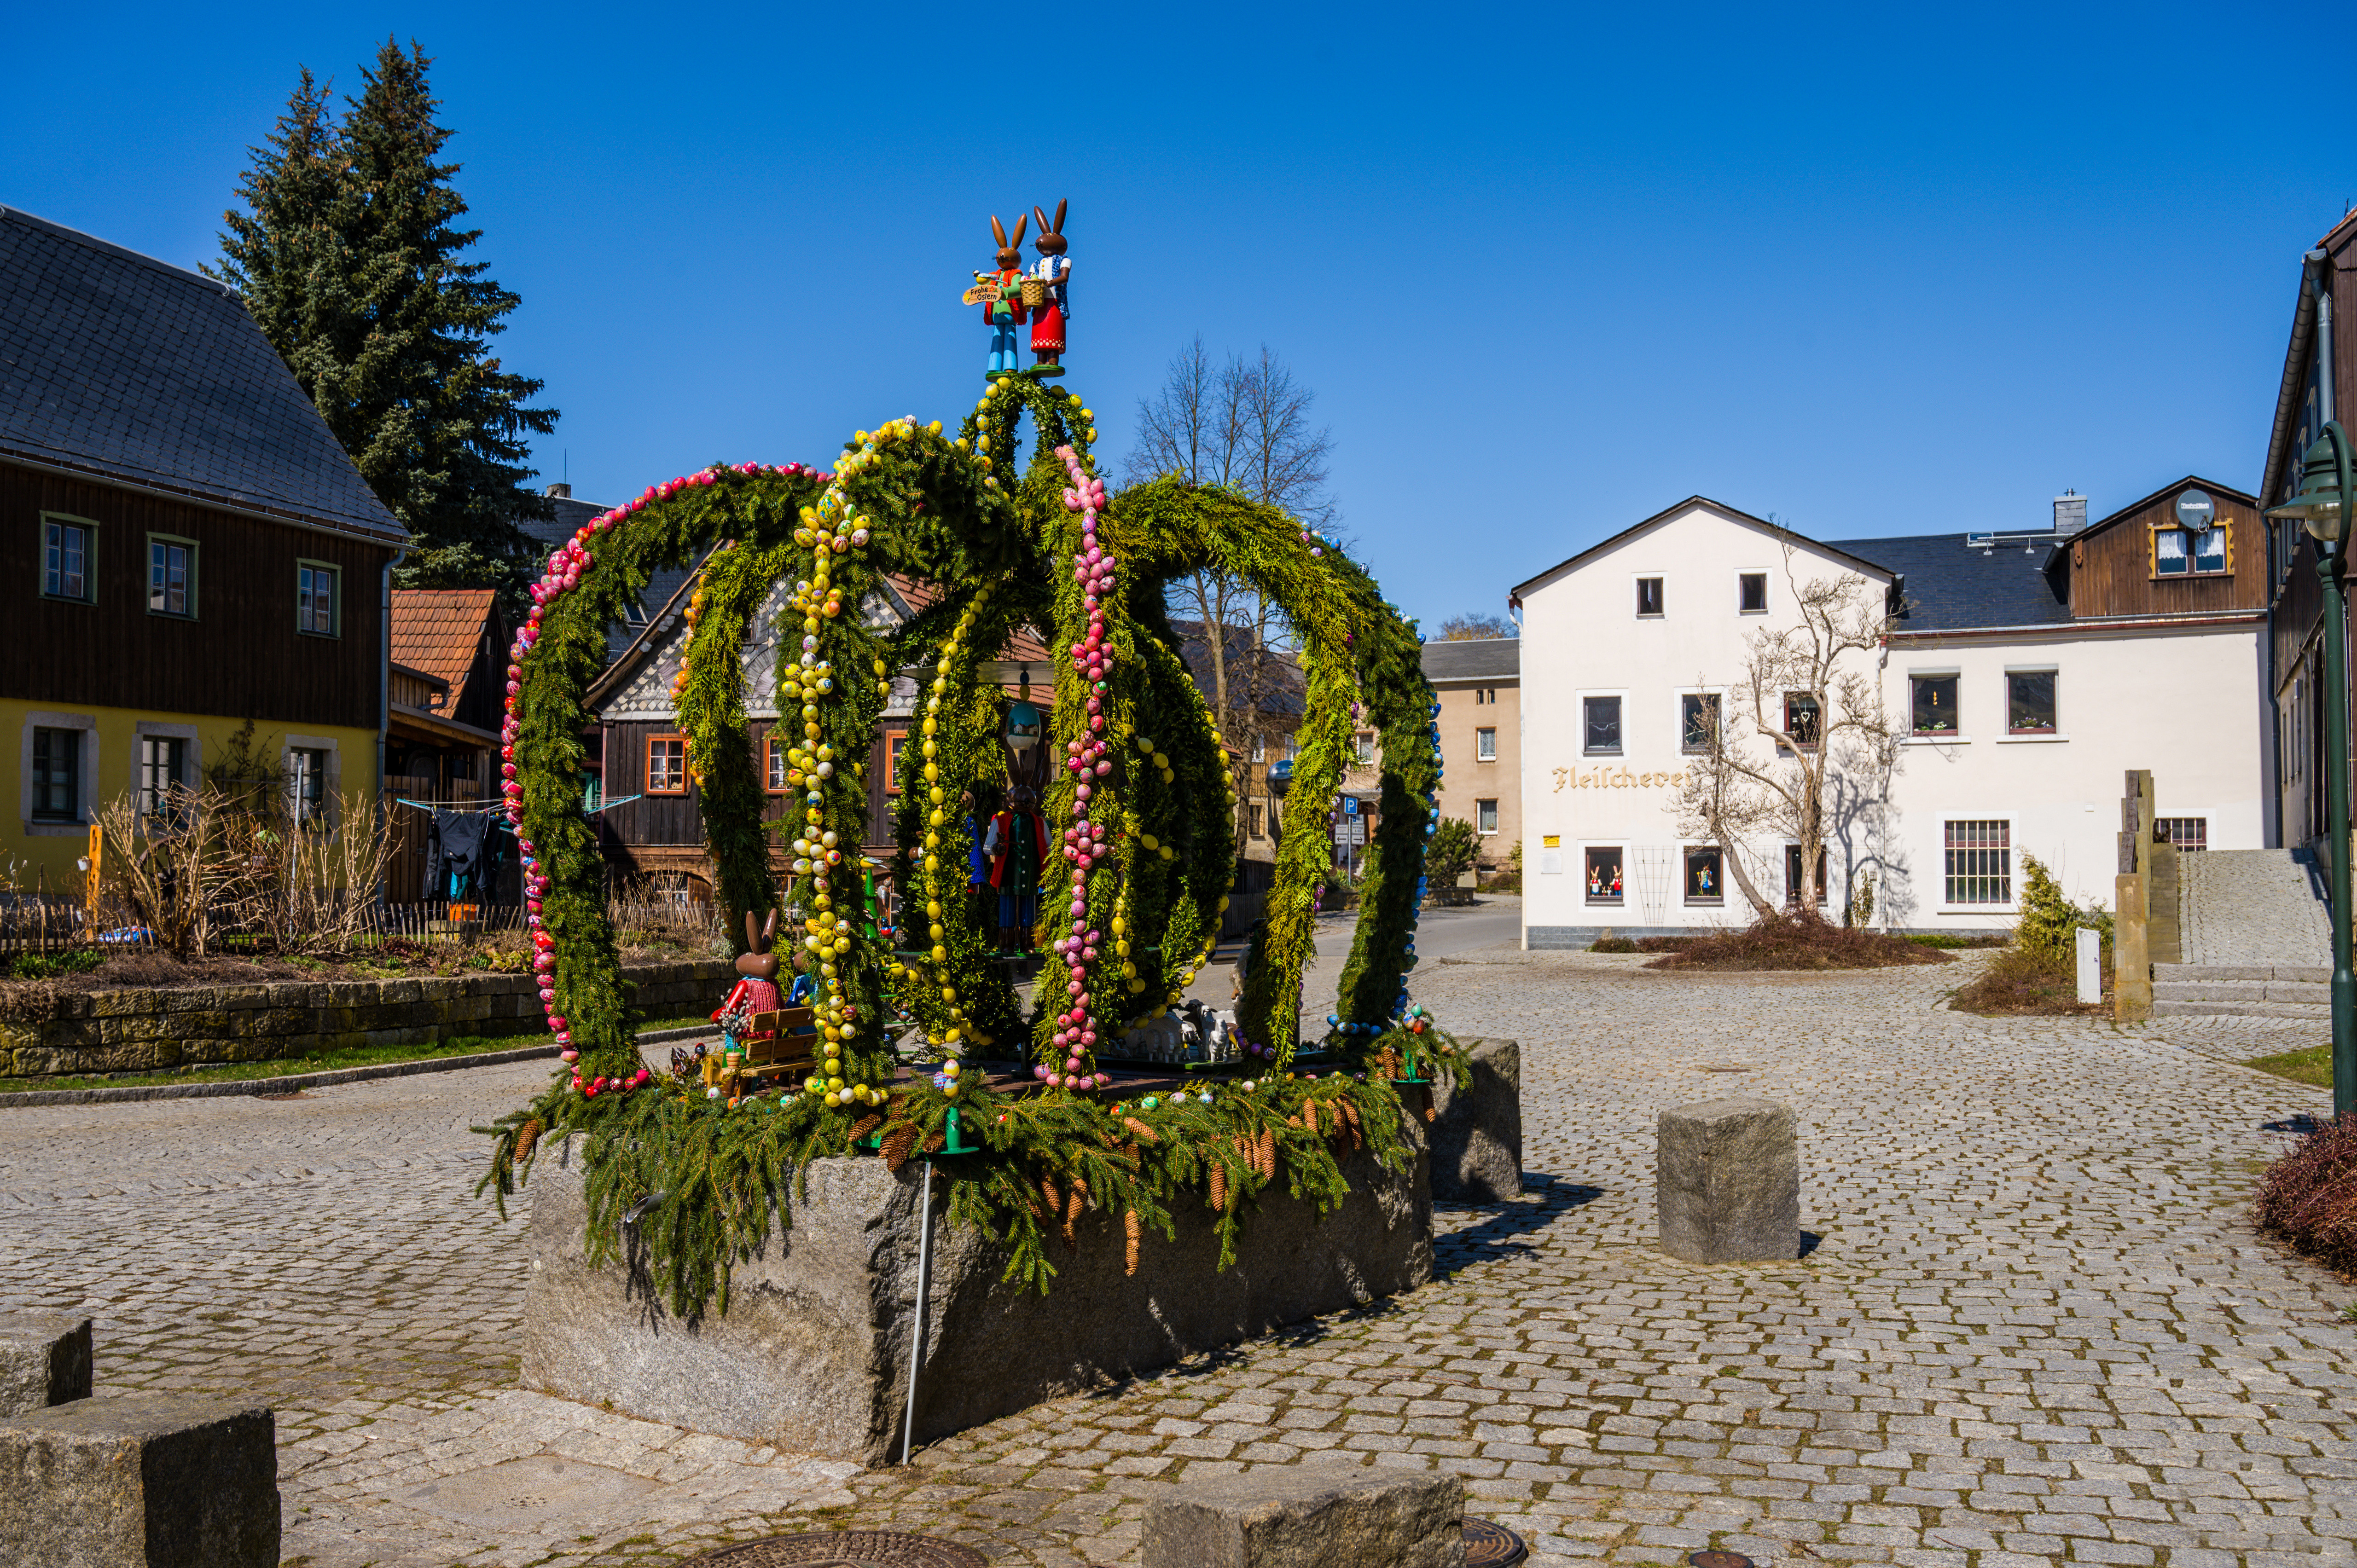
(1244, 425)
(1807, 729)
(1470, 627)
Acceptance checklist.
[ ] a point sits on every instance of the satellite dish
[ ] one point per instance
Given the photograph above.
(2195, 510)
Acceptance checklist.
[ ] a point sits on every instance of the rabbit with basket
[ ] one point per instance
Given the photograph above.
(757, 987)
(1000, 295)
(1045, 292)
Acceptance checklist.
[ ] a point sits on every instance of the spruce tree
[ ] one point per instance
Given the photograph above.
(352, 264)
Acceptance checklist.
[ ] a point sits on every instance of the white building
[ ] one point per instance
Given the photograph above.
(2031, 671)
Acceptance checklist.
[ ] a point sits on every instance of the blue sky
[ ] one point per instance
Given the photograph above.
(1549, 269)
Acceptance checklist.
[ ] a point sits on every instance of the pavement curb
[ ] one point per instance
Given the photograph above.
(287, 1085)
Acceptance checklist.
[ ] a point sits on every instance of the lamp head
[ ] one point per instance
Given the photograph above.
(1023, 726)
(2319, 505)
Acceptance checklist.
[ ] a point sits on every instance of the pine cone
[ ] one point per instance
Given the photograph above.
(1146, 1134)
(1073, 1203)
(1055, 1200)
(1267, 1153)
(898, 1144)
(1219, 1187)
(526, 1139)
(865, 1125)
(1129, 1223)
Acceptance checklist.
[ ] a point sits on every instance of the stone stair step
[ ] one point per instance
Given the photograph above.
(2169, 1009)
(2213, 990)
(2206, 971)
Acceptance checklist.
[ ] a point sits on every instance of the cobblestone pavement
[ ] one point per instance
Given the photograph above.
(2034, 1326)
(2252, 905)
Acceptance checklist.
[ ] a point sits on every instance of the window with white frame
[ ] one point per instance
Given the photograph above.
(1697, 721)
(1600, 727)
(1485, 745)
(1751, 594)
(163, 769)
(1979, 868)
(1485, 816)
(2029, 701)
(1648, 596)
(318, 598)
(306, 784)
(171, 575)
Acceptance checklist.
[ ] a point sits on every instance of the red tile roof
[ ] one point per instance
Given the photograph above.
(1024, 645)
(439, 631)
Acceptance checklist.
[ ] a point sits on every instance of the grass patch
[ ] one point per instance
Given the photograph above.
(1794, 943)
(2312, 1066)
(280, 1067)
(2017, 984)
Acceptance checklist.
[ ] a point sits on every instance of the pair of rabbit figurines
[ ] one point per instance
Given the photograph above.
(1009, 295)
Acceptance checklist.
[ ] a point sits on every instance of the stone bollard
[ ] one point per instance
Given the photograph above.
(1726, 1181)
(44, 1360)
(1292, 1517)
(144, 1481)
(1477, 1142)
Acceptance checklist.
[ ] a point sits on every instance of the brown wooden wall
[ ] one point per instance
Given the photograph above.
(678, 819)
(241, 657)
(2112, 574)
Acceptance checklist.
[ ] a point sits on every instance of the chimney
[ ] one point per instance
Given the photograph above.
(565, 493)
(2070, 512)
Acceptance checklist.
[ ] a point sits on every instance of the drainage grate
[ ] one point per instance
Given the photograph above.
(845, 1548)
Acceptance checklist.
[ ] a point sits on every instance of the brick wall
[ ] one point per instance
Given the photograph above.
(157, 1030)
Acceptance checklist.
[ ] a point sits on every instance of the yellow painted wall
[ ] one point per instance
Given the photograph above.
(27, 847)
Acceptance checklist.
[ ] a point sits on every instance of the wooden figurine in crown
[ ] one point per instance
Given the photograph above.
(1045, 292)
(1000, 295)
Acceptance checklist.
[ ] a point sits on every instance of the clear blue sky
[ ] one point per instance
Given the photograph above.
(1549, 269)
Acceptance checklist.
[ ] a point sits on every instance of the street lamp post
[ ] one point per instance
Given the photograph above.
(2322, 508)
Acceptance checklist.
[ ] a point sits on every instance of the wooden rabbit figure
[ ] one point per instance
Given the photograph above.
(756, 989)
(1000, 295)
(1055, 270)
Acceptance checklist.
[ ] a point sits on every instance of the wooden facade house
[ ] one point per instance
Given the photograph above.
(184, 549)
(449, 657)
(2319, 385)
(651, 827)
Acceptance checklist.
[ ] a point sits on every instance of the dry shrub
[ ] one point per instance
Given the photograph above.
(2019, 982)
(2309, 1196)
(1797, 942)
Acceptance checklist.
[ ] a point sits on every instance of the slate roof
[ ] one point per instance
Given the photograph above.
(438, 631)
(1474, 658)
(120, 366)
(663, 585)
(1951, 587)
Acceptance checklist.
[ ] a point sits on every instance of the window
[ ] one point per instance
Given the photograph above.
(1793, 874)
(318, 598)
(1980, 863)
(1600, 733)
(2029, 701)
(66, 560)
(1698, 718)
(1934, 707)
(161, 772)
(667, 765)
(1485, 745)
(171, 575)
(1260, 750)
(2185, 833)
(1648, 596)
(307, 785)
(57, 776)
(892, 744)
(1364, 749)
(1259, 821)
(1485, 816)
(1604, 875)
(1702, 869)
(2183, 552)
(1801, 719)
(773, 762)
(1751, 593)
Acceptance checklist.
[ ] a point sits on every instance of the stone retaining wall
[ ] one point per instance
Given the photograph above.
(151, 1030)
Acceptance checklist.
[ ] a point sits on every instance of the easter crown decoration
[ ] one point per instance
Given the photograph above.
(921, 1042)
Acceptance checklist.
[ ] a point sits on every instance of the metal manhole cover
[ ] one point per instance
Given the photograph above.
(1720, 1559)
(845, 1548)
(1488, 1545)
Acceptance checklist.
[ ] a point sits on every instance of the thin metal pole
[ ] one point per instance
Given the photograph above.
(2333, 566)
(917, 1325)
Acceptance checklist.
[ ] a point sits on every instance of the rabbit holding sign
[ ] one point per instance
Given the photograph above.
(1000, 295)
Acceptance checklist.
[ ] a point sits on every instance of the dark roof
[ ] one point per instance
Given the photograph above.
(1474, 658)
(119, 366)
(662, 583)
(1951, 587)
(1281, 686)
(1774, 531)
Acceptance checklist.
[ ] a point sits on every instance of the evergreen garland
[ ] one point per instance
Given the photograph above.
(906, 497)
